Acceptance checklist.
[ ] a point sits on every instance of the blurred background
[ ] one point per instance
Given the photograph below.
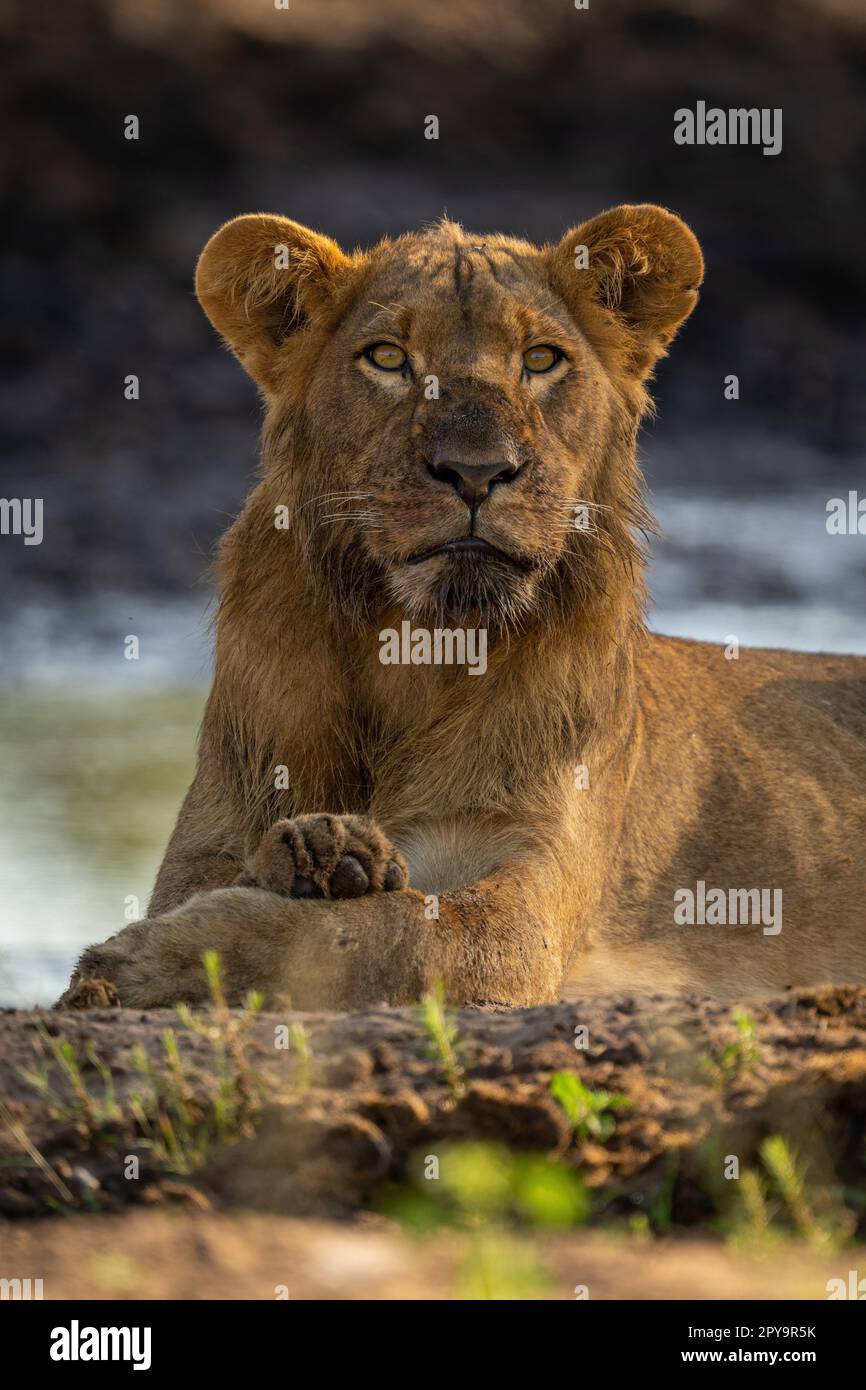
(547, 115)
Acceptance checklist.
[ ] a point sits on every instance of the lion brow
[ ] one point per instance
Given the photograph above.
(389, 315)
(548, 305)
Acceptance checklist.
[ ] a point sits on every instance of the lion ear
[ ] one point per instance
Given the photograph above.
(261, 278)
(632, 275)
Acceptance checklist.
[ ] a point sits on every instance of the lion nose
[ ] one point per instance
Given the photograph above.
(471, 477)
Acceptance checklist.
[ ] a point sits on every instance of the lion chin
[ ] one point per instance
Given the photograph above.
(471, 588)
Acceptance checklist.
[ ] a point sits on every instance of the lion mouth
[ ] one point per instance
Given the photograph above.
(467, 545)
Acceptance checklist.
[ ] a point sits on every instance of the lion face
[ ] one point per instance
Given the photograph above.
(450, 409)
(469, 410)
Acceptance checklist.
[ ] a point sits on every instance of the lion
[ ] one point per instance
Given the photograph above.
(449, 446)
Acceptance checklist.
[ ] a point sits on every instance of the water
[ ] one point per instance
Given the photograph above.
(98, 751)
(763, 569)
(92, 783)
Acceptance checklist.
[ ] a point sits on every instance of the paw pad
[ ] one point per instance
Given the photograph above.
(325, 856)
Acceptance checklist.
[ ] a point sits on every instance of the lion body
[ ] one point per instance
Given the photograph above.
(742, 774)
(602, 808)
(748, 773)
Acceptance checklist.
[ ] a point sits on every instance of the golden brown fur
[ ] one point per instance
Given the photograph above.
(324, 774)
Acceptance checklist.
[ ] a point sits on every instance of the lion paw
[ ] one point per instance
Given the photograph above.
(325, 856)
(89, 993)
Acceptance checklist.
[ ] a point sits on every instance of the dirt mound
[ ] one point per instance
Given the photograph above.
(319, 1114)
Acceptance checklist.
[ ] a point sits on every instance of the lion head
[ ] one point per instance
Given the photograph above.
(452, 417)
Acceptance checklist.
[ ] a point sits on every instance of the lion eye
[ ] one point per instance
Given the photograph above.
(387, 356)
(541, 359)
